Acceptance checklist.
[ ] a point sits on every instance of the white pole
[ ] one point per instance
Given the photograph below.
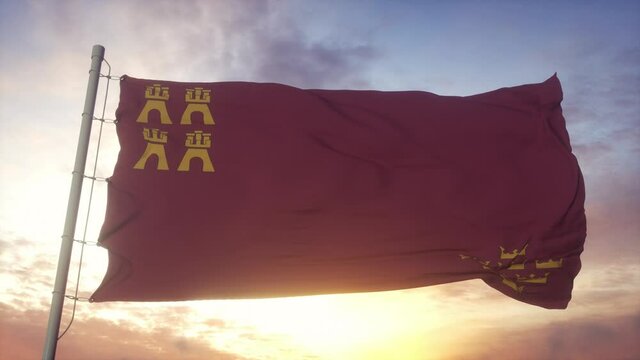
(59, 289)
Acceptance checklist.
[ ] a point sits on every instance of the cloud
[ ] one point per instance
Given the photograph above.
(4, 245)
(22, 260)
(294, 61)
(265, 41)
(592, 338)
(22, 337)
(202, 41)
(612, 338)
(602, 109)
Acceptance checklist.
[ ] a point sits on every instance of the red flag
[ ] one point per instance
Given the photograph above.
(246, 190)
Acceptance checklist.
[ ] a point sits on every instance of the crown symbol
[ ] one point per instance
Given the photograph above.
(519, 282)
(532, 279)
(510, 283)
(513, 254)
(198, 140)
(197, 95)
(516, 266)
(155, 135)
(157, 92)
(551, 264)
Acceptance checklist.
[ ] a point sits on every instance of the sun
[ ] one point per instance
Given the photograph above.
(381, 325)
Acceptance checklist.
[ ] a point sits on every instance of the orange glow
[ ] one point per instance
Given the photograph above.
(354, 326)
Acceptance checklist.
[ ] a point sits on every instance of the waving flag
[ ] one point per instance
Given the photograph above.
(247, 190)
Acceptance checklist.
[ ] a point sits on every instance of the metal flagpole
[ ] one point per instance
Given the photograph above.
(59, 289)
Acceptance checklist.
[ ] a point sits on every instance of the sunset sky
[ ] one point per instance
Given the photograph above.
(448, 48)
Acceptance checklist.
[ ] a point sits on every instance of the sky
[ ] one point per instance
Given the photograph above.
(448, 48)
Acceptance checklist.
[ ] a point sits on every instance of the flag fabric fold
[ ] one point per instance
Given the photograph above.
(249, 190)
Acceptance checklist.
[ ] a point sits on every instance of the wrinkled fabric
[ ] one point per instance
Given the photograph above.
(339, 191)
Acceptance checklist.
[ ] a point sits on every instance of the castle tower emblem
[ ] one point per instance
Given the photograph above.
(156, 141)
(157, 96)
(197, 100)
(197, 144)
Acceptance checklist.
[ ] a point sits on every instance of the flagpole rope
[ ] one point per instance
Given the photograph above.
(93, 179)
(111, 77)
(108, 121)
(91, 243)
(96, 178)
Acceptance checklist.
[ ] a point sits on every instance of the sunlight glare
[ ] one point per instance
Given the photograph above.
(357, 326)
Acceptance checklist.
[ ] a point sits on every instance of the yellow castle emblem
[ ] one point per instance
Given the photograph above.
(196, 143)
